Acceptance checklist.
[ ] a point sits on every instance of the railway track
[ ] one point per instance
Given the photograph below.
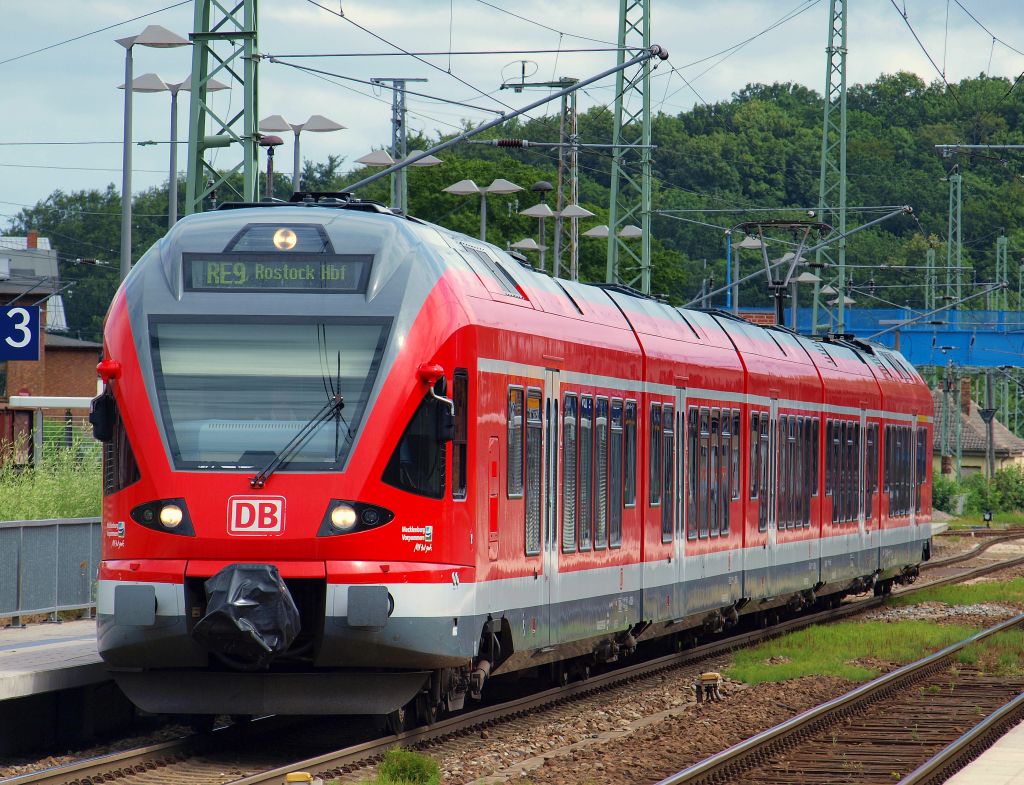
(876, 733)
(263, 751)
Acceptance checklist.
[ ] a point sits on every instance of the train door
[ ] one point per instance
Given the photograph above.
(868, 531)
(770, 497)
(682, 495)
(552, 494)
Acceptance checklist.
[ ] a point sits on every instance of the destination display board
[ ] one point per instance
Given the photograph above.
(270, 272)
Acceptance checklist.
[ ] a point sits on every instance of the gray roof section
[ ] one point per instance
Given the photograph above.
(55, 341)
(973, 436)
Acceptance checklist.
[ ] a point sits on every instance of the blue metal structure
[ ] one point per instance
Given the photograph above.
(979, 339)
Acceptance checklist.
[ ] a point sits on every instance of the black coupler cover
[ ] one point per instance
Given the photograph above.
(250, 616)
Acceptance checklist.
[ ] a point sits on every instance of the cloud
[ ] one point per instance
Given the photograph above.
(69, 93)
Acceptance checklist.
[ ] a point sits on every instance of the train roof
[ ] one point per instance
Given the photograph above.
(505, 274)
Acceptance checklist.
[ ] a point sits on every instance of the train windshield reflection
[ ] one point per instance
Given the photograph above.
(233, 394)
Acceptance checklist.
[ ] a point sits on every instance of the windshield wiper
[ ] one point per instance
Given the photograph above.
(330, 410)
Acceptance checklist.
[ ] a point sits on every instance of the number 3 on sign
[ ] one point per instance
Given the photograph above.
(19, 327)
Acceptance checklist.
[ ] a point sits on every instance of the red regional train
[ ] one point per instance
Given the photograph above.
(358, 463)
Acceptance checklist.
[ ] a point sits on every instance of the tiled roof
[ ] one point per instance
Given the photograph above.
(973, 434)
(64, 342)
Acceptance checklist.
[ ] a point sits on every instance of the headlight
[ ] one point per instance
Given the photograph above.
(167, 516)
(171, 515)
(343, 517)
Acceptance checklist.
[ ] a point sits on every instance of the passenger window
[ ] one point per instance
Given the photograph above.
(735, 453)
(586, 508)
(654, 472)
(460, 441)
(762, 460)
(704, 503)
(691, 473)
(815, 453)
(668, 464)
(601, 474)
(569, 473)
(615, 476)
(755, 473)
(534, 463)
(725, 470)
(629, 472)
(714, 498)
(514, 486)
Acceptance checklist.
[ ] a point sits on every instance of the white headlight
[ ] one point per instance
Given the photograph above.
(171, 515)
(343, 517)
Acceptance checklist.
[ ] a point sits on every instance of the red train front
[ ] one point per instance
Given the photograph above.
(355, 462)
(275, 427)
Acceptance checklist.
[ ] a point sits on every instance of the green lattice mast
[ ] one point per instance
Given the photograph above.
(832, 180)
(225, 47)
(631, 164)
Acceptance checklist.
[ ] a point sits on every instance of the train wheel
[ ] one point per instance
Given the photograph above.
(559, 674)
(426, 710)
(395, 722)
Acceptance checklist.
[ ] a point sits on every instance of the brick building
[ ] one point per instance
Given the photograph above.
(66, 366)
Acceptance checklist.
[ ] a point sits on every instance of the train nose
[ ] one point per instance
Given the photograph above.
(250, 618)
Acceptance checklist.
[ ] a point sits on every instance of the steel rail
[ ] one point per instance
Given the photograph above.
(972, 553)
(165, 754)
(959, 753)
(730, 761)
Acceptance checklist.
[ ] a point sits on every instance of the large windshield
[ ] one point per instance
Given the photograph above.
(233, 393)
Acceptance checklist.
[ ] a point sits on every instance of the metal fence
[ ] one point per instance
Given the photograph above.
(68, 433)
(48, 566)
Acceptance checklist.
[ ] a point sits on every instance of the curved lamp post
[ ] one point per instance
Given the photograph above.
(316, 123)
(468, 187)
(151, 83)
(157, 37)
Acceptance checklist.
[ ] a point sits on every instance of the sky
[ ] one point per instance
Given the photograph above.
(55, 101)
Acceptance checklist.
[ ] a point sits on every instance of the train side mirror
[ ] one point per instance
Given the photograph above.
(101, 415)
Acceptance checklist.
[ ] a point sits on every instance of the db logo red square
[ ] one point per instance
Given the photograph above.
(256, 515)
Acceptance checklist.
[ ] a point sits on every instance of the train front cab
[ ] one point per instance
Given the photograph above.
(383, 599)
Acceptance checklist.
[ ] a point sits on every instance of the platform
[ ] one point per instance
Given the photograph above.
(1000, 764)
(42, 658)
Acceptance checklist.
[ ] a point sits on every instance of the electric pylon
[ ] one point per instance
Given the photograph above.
(224, 46)
(832, 179)
(631, 162)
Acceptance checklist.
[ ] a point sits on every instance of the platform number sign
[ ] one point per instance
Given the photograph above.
(19, 332)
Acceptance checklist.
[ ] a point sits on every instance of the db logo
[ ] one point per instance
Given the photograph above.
(259, 515)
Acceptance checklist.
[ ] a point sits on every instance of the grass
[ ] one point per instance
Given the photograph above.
(1001, 520)
(967, 594)
(67, 484)
(844, 650)
(1000, 655)
(405, 767)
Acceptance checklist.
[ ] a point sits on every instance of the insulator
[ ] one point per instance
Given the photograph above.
(510, 143)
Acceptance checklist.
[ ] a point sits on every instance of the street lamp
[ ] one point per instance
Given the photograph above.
(151, 83)
(157, 37)
(540, 211)
(383, 158)
(271, 143)
(573, 212)
(468, 187)
(316, 123)
(805, 277)
(732, 266)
